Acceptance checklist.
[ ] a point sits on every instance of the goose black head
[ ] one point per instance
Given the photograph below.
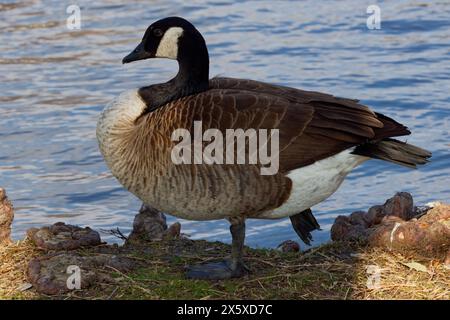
(171, 38)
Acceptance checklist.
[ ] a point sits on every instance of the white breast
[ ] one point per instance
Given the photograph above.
(314, 183)
(118, 115)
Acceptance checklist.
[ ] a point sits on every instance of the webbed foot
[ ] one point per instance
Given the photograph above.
(217, 270)
(232, 268)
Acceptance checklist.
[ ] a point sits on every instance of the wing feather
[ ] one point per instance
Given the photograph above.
(312, 125)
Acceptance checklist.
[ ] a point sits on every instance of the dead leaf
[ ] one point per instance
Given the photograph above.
(25, 286)
(416, 266)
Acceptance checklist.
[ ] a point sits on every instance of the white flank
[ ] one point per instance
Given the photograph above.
(314, 183)
(168, 46)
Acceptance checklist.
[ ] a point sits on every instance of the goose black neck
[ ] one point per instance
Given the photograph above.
(193, 61)
(192, 77)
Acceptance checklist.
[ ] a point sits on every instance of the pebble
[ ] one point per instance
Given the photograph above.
(289, 246)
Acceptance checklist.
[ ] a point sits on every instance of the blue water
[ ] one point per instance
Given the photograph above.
(54, 82)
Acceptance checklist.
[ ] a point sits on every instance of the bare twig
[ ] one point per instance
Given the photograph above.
(116, 233)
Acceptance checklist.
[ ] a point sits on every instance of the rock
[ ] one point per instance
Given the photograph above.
(400, 205)
(427, 236)
(375, 215)
(173, 232)
(447, 260)
(289, 246)
(344, 230)
(399, 226)
(61, 236)
(6, 217)
(359, 217)
(387, 220)
(55, 273)
(150, 225)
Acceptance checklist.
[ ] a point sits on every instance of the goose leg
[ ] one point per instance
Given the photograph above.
(231, 268)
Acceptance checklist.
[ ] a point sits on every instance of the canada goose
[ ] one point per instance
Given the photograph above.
(321, 139)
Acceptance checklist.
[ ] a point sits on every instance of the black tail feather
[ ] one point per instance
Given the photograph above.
(303, 223)
(394, 151)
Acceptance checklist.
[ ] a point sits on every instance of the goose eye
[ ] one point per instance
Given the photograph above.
(158, 32)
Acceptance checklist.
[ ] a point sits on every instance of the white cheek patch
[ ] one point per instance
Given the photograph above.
(168, 46)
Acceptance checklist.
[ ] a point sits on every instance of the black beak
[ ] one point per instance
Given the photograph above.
(137, 54)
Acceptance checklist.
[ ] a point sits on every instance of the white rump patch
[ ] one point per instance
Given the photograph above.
(168, 46)
(315, 183)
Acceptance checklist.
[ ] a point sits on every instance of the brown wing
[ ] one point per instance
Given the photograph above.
(208, 190)
(315, 125)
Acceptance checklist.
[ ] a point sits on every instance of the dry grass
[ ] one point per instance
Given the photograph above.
(332, 271)
(14, 260)
(399, 281)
